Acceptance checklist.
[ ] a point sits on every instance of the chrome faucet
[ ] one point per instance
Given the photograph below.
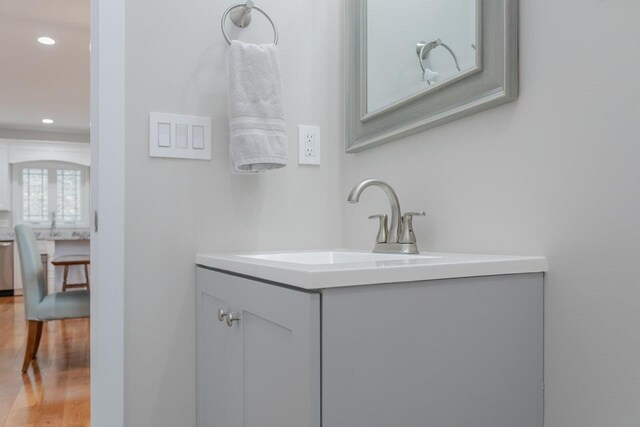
(394, 228)
(398, 236)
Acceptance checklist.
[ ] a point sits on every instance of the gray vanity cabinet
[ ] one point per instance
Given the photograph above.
(463, 352)
(264, 369)
(444, 353)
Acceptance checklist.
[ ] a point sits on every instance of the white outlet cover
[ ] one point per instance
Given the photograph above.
(309, 145)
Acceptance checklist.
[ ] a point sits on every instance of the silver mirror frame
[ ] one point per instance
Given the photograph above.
(494, 80)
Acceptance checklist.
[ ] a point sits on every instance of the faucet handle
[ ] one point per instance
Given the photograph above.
(383, 230)
(407, 235)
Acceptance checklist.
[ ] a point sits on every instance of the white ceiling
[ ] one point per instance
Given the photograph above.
(38, 81)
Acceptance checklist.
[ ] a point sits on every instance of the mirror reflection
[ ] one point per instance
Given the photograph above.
(415, 45)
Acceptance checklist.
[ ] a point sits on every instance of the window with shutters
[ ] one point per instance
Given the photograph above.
(44, 191)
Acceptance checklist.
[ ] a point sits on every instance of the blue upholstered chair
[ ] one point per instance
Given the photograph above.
(40, 307)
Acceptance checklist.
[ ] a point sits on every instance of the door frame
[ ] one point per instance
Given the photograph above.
(107, 198)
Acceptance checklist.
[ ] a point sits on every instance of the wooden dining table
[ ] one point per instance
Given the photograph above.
(67, 261)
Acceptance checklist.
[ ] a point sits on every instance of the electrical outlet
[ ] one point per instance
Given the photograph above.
(308, 145)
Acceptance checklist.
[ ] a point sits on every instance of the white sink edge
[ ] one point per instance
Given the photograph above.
(322, 276)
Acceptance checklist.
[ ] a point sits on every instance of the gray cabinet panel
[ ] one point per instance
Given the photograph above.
(267, 372)
(448, 353)
(274, 361)
(218, 365)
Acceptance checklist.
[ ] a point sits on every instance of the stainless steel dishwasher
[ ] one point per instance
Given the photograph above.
(6, 268)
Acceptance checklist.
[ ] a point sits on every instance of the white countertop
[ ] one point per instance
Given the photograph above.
(312, 270)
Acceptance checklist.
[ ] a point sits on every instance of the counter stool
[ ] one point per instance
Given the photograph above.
(67, 261)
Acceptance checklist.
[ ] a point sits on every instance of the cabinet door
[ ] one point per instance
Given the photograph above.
(218, 390)
(275, 360)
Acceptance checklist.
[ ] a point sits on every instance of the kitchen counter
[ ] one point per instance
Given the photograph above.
(7, 234)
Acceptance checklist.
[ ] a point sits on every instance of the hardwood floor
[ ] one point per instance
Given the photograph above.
(55, 389)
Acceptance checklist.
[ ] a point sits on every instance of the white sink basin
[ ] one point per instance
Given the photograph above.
(333, 257)
(340, 268)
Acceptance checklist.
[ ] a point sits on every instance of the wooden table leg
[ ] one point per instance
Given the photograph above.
(86, 274)
(64, 281)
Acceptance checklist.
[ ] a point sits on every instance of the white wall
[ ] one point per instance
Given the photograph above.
(555, 173)
(176, 63)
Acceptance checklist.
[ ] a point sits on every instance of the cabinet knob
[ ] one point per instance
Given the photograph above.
(232, 318)
(222, 314)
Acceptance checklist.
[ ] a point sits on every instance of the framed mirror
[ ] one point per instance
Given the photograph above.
(416, 64)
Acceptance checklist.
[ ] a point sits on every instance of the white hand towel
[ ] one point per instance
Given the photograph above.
(258, 134)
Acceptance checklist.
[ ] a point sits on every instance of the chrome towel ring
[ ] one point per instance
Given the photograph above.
(241, 17)
(423, 48)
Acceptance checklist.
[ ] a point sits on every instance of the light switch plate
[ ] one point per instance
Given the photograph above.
(178, 136)
(182, 135)
(308, 145)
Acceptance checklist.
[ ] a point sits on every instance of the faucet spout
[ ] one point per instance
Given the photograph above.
(394, 227)
(53, 224)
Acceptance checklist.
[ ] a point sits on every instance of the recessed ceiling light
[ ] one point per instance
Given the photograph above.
(47, 121)
(46, 40)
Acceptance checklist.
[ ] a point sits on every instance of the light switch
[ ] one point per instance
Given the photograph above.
(182, 136)
(179, 136)
(164, 134)
(198, 137)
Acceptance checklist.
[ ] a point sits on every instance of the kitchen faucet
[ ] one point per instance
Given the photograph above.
(53, 224)
(398, 235)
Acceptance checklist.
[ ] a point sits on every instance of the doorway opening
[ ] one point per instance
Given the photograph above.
(46, 218)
